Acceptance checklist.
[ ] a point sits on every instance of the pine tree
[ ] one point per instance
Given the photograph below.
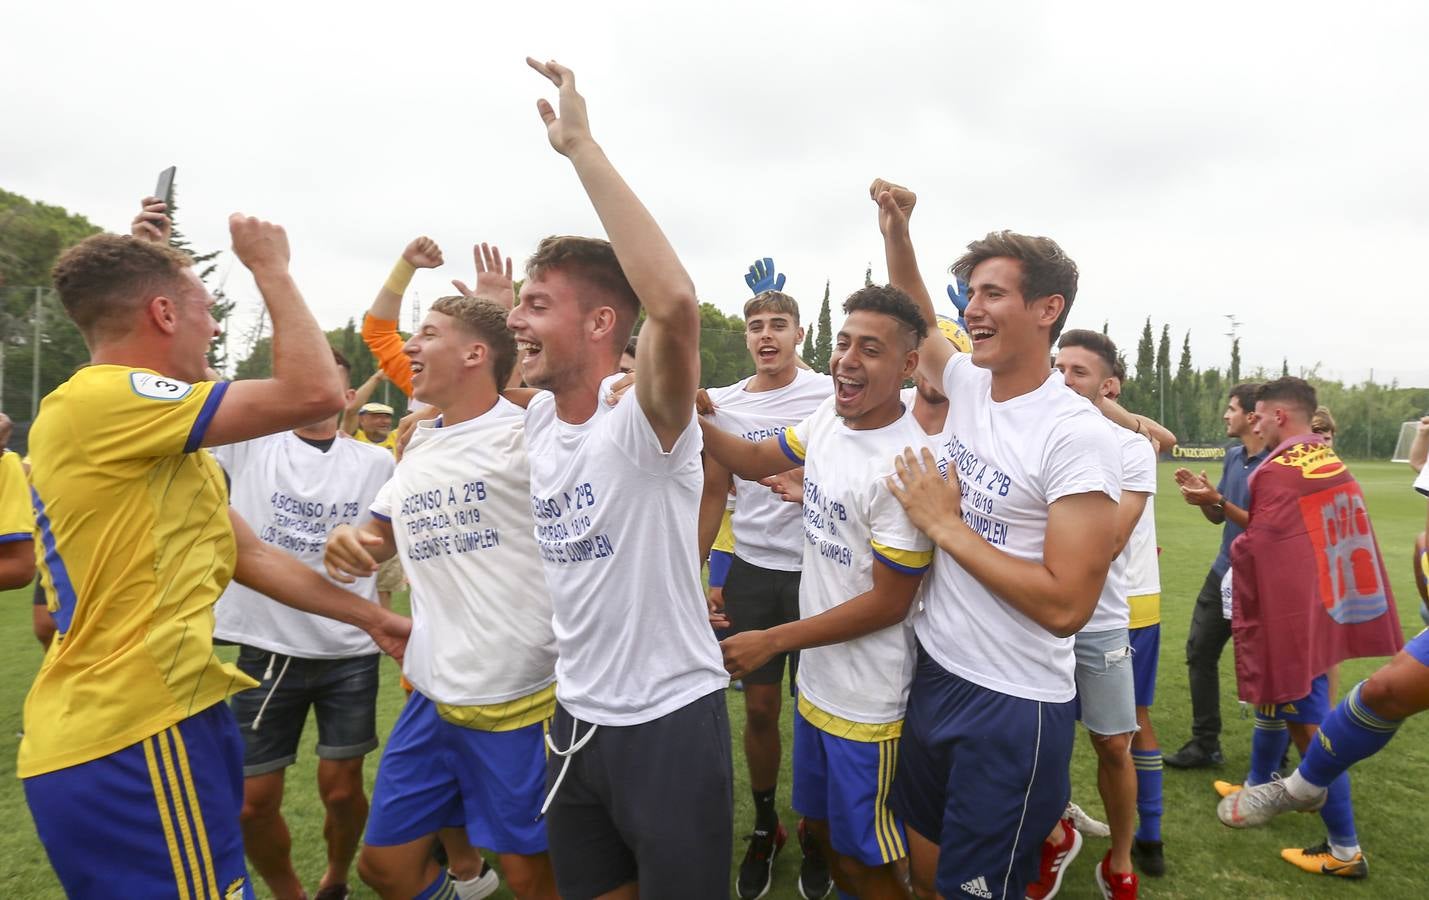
(1284, 366)
(824, 345)
(1186, 417)
(868, 276)
(808, 351)
(206, 265)
(1163, 373)
(1234, 374)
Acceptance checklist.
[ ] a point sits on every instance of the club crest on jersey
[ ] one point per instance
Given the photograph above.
(1313, 460)
(159, 387)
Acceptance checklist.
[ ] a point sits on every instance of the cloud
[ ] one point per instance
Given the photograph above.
(1256, 159)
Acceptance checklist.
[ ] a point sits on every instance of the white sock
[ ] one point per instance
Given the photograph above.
(469, 889)
(1301, 789)
(1344, 854)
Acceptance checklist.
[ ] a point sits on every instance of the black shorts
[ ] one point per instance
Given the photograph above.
(342, 693)
(651, 803)
(756, 598)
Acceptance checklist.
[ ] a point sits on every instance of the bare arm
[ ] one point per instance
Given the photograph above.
(895, 207)
(275, 574)
(304, 388)
(1128, 513)
(669, 348)
(747, 459)
(359, 399)
(1059, 593)
(1419, 449)
(887, 603)
(1198, 491)
(17, 564)
(713, 502)
(356, 552)
(1159, 434)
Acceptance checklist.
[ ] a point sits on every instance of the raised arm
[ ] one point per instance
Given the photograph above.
(669, 348)
(379, 326)
(275, 574)
(1060, 592)
(895, 207)
(749, 460)
(305, 386)
(1419, 449)
(359, 399)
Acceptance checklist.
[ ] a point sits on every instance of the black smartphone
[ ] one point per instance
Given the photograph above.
(165, 189)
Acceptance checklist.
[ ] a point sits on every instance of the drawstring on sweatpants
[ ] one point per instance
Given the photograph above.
(268, 673)
(565, 755)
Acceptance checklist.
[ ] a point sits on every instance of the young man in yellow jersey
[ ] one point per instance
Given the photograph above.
(132, 764)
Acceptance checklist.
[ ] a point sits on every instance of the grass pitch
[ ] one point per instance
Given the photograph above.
(1204, 859)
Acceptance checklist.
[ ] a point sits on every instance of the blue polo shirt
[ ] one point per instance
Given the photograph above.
(1235, 488)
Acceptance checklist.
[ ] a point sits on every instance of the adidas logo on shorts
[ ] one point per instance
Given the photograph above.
(977, 887)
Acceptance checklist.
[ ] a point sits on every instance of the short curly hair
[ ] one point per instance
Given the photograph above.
(485, 321)
(104, 279)
(890, 301)
(593, 260)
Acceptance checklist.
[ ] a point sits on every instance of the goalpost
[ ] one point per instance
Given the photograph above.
(1406, 438)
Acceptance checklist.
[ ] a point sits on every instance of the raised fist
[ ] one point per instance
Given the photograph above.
(261, 246)
(423, 253)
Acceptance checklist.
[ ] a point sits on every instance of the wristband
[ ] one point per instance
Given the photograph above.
(401, 276)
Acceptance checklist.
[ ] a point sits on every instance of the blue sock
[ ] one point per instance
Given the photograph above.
(1268, 743)
(441, 889)
(1148, 793)
(1352, 732)
(1339, 813)
(843, 896)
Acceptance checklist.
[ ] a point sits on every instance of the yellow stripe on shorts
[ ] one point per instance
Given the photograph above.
(165, 821)
(191, 791)
(890, 843)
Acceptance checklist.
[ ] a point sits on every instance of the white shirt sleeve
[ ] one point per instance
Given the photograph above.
(382, 504)
(1082, 458)
(1421, 484)
(632, 432)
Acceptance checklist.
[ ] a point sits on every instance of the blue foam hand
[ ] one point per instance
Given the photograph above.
(762, 276)
(958, 293)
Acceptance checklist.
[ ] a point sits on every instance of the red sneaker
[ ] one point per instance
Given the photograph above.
(1115, 885)
(1055, 860)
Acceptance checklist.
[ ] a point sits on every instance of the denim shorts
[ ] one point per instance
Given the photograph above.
(1106, 688)
(341, 692)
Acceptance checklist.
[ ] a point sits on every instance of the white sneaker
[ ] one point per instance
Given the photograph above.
(1085, 823)
(1257, 804)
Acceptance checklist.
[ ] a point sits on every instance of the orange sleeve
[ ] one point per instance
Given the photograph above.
(382, 339)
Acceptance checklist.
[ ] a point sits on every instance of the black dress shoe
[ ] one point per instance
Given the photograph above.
(1194, 756)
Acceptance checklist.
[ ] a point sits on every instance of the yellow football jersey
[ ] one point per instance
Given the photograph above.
(724, 540)
(17, 516)
(134, 548)
(390, 443)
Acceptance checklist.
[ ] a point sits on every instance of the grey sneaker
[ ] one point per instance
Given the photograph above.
(1255, 805)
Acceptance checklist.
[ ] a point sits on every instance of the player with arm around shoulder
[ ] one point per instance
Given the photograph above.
(1024, 527)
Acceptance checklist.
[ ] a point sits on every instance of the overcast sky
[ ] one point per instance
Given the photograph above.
(1265, 160)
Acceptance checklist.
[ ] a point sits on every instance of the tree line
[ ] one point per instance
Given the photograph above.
(1187, 399)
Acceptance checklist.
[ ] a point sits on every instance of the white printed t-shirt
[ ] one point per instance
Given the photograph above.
(616, 520)
(460, 509)
(767, 532)
(1014, 459)
(294, 494)
(1138, 473)
(852, 523)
